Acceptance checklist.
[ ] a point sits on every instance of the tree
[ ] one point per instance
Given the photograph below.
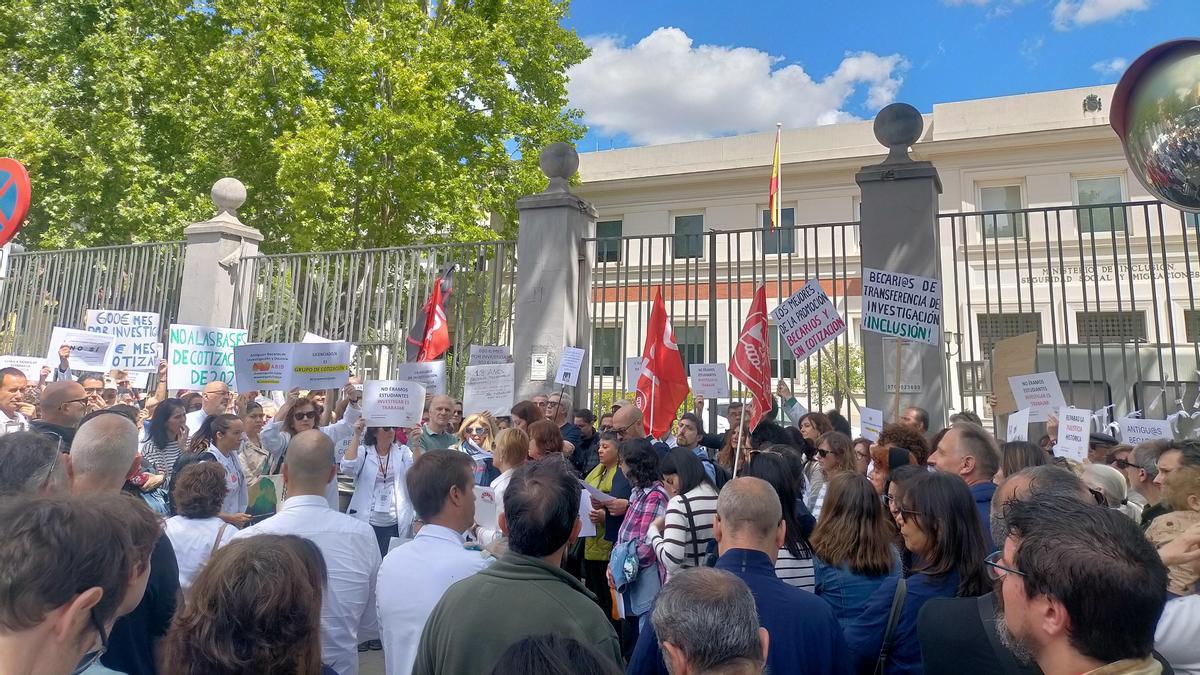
(353, 123)
(835, 373)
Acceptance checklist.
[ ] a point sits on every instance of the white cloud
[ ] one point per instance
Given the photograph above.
(666, 89)
(1031, 49)
(1112, 66)
(1074, 13)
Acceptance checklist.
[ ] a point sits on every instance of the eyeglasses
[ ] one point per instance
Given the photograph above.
(93, 390)
(91, 658)
(542, 404)
(891, 503)
(75, 400)
(1125, 464)
(310, 415)
(825, 453)
(478, 431)
(995, 570)
(623, 430)
(902, 513)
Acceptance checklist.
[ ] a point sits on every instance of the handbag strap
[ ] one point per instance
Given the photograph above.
(217, 543)
(687, 507)
(889, 635)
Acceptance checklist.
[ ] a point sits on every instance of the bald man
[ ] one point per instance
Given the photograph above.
(628, 423)
(438, 433)
(214, 400)
(351, 552)
(749, 530)
(63, 405)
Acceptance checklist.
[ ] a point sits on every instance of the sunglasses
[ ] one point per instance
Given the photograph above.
(1125, 464)
(478, 431)
(386, 428)
(91, 658)
(93, 390)
(995, 570)
(826, 453)
(310, 415)
(623, 430)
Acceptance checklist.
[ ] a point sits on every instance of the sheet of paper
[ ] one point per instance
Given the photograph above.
(30, 365)
(320, 365)
(489, 388)
(871, 421)
(89, 351)
(1018, 426)
(587, 528)
(1040, 392)
(1074, 432)
(902, 305)
(595, 493)
(313, 337)
(807, 320)
(430, 374)
(136, 338)
(489, 355)
(1012, 357)
(486, 510)
(570, 362)
(262, 367)
(709, 380)
(633, 373)
(539, 366)
(198, 355)
(393, 403)
(1135, 431)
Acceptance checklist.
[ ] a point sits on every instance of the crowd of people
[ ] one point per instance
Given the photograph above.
(792, 547)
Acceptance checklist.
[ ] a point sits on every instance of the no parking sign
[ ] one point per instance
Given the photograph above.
(14, 198)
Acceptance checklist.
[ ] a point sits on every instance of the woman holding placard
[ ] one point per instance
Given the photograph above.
(378, 466)
(475, 437)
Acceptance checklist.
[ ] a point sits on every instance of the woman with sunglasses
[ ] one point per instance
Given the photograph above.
(475, 437)
(941, 530)
(301, 414)
(378, 466)
(834, 456)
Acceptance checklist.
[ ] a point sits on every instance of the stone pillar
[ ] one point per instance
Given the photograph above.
(899, 229)
(214, 282)
(553, 276)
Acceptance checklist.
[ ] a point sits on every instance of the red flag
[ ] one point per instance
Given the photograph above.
(751, 360)
(663, 386)
(431, 324)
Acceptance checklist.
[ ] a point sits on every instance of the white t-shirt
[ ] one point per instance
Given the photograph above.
(237, 497)
(193, 540)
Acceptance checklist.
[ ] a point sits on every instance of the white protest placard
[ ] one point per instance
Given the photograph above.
(569, 364)
(262, 367)
(902, 305)
(30, 365)
(313, 337)
(393, 403)
(1074, 432)
(871, 422)
(489, 388)
(807, 321)
(1040, 392)
(487, 509)
(320, 365)
(489, 355)
(709, 380)
(140, 380)
(633, 373)
(539, 366)
(197, 355)
(429, 374)
(1018, 426)
(89, 351)
(1135, 431)
(135, 338)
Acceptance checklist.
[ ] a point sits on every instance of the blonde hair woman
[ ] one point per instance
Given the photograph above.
(511, 451)
(475, 437)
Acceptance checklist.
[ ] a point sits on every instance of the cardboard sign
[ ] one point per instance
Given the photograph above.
(570, 362)
(1040, 392)
(489, 388)
(1135, 431)
(30, 365)
(871, 421)
(902, 305)
(429, 374)
(89, 351)
(1074, 432)
(489, 355)
(633, 373)
(709, 380)
(1011, 357)
(807, 320)
(393, 403)
(197, 355)
(1018, 426)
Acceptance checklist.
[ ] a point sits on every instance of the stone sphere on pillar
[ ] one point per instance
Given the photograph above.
(897, 127)
(228, 194)
(559, 161)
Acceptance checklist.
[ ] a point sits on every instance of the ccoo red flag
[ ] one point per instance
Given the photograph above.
(663, 386)
(431, 324)
(751, 360)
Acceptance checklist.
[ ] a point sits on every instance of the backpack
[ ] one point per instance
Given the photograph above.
(721, 475)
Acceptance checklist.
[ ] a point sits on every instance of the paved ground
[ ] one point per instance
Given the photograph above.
(370, 663)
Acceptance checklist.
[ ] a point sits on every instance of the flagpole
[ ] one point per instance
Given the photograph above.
(778, 215)
(737, 455)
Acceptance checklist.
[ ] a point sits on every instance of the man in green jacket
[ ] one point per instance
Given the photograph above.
(526, 592)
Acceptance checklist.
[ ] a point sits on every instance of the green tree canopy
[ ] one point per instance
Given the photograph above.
(353, 123)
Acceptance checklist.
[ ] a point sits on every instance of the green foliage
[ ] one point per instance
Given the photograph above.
(835, 373)
(353, 123)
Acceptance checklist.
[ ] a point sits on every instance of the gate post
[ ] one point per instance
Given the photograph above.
(553, 276)
(212, 275)
(899, 220)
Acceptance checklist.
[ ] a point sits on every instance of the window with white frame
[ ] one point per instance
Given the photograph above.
(1114, 327)
(1001, 198)
(607, 355)
(1191, 324)
(608, 241)
(783, 361)
(999, 326)
(783, 238)
(691, 341)
(1100, 190)
(688, 241)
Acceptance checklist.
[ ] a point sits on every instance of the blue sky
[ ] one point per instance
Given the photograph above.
(667, 70)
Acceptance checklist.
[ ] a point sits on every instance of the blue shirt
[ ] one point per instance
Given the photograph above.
(804, 635)
(982, 492)
(702, 453)
(845, 591)
(864, 634)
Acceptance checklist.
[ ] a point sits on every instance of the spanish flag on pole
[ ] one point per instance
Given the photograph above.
(773, 199)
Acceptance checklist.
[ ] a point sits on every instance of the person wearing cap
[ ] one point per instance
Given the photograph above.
(1099, 447)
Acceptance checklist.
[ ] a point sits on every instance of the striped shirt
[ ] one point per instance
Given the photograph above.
(794, 571)
(683, 541)
(162, 459)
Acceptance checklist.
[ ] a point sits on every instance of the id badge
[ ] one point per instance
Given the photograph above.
(385, 500)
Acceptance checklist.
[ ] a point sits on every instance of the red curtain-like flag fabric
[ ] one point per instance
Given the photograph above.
(663, 386)
(751, 360)
(431, 324)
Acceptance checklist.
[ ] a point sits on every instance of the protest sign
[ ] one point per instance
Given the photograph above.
(197, 355)
(393, 403)
(313, 337)
(30, 365)
(1040, 392)
(539, 366)
(1074, 432)
(135, 338)
(871, 421)
(902, 361)
(569, 364)
(429, 374)
(709, 380)
(1135, 431)
(262, 366)
(1018, 426)
(487, 510)
(807, 321)
(902, 305)
(323, 365)
(141, 380)
(1011, 357)
(89, 351)
(633, 373)
(489, 388)
(489, 355)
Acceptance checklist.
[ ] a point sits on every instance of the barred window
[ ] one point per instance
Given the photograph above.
(1111, 327)
(606, 351)
(1191, 324)
(608, 241)
(973, 378)
(691, 345)
(1001, 326)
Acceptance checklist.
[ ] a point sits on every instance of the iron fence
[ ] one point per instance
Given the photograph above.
(708, 281)
(371, 297)
(1109, 289)
(44, 289)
